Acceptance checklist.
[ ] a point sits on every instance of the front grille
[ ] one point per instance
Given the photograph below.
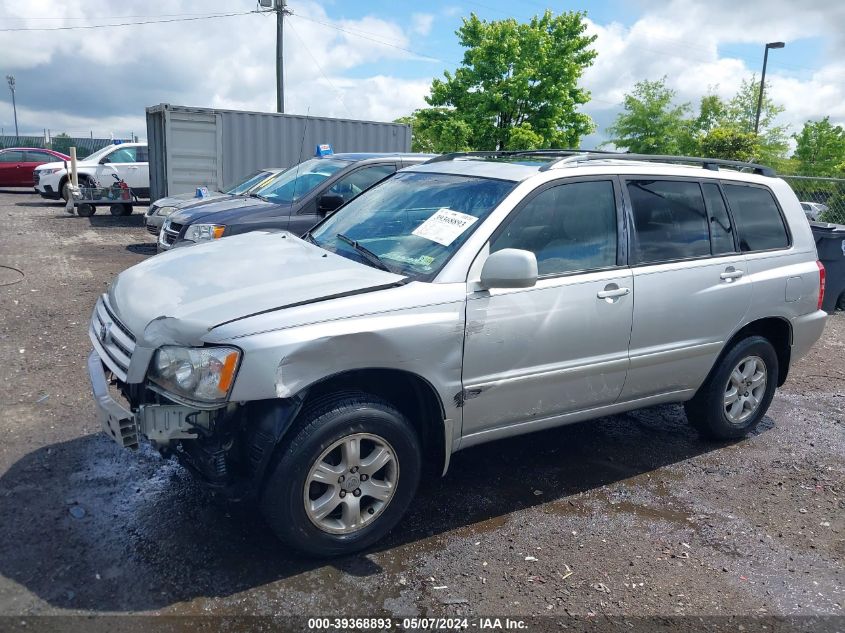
(170, 233)
(153, 229)
(113, 340)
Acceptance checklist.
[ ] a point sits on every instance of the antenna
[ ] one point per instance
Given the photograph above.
(298, 162)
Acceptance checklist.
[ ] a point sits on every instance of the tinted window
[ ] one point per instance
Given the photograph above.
(11, 157)
(758, 219)
(670, 220)
(143, 154)
(360, 180)
(569, 227)
(40, 157)
(122, 155)
(721, 231)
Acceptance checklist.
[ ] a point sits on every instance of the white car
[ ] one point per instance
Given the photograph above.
(813, 210)
(128, 161)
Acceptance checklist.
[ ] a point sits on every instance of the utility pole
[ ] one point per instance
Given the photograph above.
(11, 80)
(281, 10)
(763, 82)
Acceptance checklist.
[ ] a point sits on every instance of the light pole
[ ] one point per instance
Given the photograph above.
(11, 80)
(763, 82)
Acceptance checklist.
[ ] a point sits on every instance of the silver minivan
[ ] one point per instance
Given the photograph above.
(468, 299)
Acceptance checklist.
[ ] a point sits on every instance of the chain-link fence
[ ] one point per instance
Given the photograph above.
(823, 199)
(84, 145)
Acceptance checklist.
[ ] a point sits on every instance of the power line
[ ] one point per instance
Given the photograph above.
(320, 68)
(105, 26)
(361, 34)
(108, 17)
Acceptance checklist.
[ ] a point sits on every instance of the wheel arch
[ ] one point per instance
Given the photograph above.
(413, 395)
(777, 330)
(409, 392)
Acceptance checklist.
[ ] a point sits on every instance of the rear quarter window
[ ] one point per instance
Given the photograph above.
(759, 222)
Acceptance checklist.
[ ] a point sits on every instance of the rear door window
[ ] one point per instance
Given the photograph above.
(39, 157)
(670, 220)
(759, 222)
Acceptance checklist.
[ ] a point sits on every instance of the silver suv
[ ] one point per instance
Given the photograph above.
(468, 299)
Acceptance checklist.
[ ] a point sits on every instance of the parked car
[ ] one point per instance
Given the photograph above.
(18, 163)
(127, 161)
(460, 301)
(295, 200)
(813, 210)
(163, 207)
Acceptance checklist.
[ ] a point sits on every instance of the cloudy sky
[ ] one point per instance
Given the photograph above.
(374, 59)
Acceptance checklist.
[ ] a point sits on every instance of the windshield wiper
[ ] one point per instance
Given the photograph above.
(255, 195)
(374, 259)
(307, 237)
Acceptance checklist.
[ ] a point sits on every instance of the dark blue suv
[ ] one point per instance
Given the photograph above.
(295, 200)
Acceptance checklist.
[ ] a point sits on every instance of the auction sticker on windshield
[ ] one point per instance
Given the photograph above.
(445, 226)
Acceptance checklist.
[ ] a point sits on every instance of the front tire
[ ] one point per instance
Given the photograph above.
(345, 477)
(738, 392)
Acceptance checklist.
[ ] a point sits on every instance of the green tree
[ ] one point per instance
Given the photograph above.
(517, 79)
(651, 123)
(820, 149)
(740, 113)
(729, 143)
(437, 130)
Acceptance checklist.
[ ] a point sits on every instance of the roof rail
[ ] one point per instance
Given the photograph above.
(517, 152)
(712, 164)
(574, 156)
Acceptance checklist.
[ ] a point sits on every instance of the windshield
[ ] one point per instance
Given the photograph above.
(254, 180)
(100, 153)
(299, 180)
(412, 222)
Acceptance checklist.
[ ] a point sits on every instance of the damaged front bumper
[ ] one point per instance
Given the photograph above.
(160, 423)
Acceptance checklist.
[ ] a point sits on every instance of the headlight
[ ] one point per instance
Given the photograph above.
(203, 374)
(44, 172)
(204, 232)
(165, 211)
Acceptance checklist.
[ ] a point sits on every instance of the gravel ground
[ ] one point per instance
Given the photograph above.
(626, 515)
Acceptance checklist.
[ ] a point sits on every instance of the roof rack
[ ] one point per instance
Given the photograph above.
(574, 156)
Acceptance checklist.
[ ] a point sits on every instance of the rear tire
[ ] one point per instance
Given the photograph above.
(316, 495)
(737, 393)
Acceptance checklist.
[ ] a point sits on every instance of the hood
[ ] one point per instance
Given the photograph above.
(222, 209)
(185, 200)
(184, 293)
(59, 164)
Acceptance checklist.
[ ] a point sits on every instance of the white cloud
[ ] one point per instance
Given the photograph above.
(421, 23)
(99, 79)
(682, 40)
(102, 79)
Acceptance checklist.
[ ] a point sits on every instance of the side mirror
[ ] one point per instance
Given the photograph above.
(328, 203)
(104, 160)
(509, 268)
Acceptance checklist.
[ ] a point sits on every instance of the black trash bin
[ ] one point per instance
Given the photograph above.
(830, 243)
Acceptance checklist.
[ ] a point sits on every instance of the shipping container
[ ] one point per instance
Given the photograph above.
(192, 147)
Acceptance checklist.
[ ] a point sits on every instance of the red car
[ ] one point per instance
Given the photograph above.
(17, 164)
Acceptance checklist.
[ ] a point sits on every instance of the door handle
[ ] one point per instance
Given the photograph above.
(730, 275)
(612, 293)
